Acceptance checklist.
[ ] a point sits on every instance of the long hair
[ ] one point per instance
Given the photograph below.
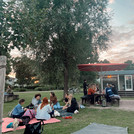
(53, 94)
(44, 103)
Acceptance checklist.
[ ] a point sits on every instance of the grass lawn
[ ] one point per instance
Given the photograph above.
(79, 121)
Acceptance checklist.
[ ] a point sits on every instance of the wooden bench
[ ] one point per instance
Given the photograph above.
(10, 97)
(115, 101)
(85, 98)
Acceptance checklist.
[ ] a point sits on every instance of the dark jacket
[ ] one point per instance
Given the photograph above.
(74, 106)
(114, 90)
(85, 85)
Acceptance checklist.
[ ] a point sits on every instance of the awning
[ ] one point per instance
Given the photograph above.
(99, 67)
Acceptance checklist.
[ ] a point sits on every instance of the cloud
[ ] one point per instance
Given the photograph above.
(121, 47)
(111, 1)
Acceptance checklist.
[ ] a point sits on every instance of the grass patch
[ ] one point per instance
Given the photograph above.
(84, 118)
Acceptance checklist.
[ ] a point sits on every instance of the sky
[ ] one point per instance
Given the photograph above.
(121, 45)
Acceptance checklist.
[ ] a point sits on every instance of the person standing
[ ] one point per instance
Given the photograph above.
(85, 87)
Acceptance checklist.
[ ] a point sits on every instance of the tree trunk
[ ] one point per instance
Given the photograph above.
(66, 78)
(2, 87)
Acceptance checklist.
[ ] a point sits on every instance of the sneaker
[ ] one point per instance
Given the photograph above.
(76, 112)
(15, 123)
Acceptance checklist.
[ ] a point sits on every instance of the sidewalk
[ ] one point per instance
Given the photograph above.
(127, 105)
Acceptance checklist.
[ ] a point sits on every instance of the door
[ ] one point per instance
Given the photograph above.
(128, 83)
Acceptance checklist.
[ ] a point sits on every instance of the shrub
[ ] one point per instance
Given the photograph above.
(41, 89)
(19, 89)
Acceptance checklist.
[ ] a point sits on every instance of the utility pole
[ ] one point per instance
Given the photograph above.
(2, 87)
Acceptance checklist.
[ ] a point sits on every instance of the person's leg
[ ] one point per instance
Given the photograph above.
(55, 106)
(18, 116)
(116, 96)
(52, 114)
(58, 105)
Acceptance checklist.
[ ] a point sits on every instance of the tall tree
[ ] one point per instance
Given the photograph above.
(24, 70)
(130, 65)
(62, 33)
(104, 61)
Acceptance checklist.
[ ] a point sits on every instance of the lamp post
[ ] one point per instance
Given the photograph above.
(2, 87)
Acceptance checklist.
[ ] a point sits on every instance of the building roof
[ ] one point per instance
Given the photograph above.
(122, 72)
(99, 67)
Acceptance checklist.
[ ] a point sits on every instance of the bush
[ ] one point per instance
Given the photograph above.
(19, 89)
(45, 88)
(31, 87)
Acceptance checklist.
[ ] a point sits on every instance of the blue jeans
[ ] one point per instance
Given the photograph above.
(18, 116)
(57, 105)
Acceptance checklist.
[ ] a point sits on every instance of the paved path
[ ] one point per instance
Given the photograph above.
(127, 105)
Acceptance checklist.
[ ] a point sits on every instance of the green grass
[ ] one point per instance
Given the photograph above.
(81, 120)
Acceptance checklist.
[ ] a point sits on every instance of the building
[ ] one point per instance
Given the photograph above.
(124, 79)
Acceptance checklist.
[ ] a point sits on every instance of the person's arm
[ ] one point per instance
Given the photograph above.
(19, 109)
(49, 109)
(89, 91)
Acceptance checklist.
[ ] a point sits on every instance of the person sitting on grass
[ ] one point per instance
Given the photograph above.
(71, 105)
(53, 101)
(66, 97)
(44, 110)
(36, 100)
(18, 111)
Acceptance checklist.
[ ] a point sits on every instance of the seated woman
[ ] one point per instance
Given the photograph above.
(53, 101)
(72, 104)
(66, 97)
(9, 91)
(36, 101)
(44, 110)
(91, 91)
(18, 111)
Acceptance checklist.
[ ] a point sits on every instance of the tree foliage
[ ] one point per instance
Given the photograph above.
(130, 65)
(60, 34)
(24, 70)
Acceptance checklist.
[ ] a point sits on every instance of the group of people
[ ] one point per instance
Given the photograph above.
(45, 110)
(90, 90)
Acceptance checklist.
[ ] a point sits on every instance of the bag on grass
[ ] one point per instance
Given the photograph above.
(30, 106)
(35, 128)
(25, 120)
(30, 112)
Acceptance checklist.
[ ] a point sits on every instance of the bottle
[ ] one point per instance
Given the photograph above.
(103, 103)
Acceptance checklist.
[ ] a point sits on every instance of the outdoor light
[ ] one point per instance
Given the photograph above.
(109, 76)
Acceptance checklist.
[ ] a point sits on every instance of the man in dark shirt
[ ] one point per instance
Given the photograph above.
(114, 89)
(85, 87)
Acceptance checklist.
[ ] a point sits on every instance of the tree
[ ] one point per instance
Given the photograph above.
(104, 61)
(62, 33)
(24, 70)
(130, 66)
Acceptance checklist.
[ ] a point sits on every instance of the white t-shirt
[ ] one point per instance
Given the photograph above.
(44, 112)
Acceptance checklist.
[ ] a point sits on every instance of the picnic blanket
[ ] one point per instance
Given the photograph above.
(8, 120)
(64, 113)
(95, 128)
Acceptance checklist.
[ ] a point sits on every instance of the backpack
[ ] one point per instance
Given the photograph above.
(31, 113)
(35, 128)
(25, 120)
